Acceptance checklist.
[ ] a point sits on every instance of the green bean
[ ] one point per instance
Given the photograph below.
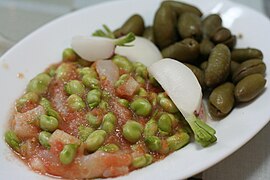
(94, 121)
(43, 138)
(48, 123)
(84, 132)
(141, 106)
(87, 71)
(90, 82)
(151, 128)
(123, 102)
(132, 131)
(177, 141)
(153, 143)
(68, 154)
(28, 97)
(95, 140)
(123, 63)
(168, 105)
(109, 121)
(75, 102)
(69, 55)
(75, 87)
(93, 98)
(165, 123)
(110, 148)
(39, 84)
(12, 140)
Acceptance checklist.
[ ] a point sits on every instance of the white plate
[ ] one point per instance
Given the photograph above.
(44, 47)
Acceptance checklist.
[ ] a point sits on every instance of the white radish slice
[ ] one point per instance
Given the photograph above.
(93, 48)
(180, 84)
(142, 50)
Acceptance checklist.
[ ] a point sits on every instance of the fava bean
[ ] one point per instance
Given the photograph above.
(94, 121)
(84, 132)
(48, 123)
(132, 131)
(68, 154)
(93, 98)
(75, 102)
(95, 140)
(123, 63)
(153, 143)
(39, 84)
(141, 107)
(43, 138)
(75, 87)
(177, 141)
(12, 140)
(165, 123)
(69, 55)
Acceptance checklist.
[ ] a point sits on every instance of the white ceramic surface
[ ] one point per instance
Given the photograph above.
(44, 47)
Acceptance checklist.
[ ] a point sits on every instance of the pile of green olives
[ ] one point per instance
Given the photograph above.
(228, 75)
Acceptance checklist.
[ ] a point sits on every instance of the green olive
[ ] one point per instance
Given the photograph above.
(248, 67)
(206, 47)
(164, 27)
(39, 84)
(141, 106)
(180, 7)
(222, 34)
(186, 51)
(221, 100)
(43, 138)
(218, 67)
(249, 87)
(198, 73)
(189, 26)
(68, 154)
(134, 24)
(210, 24)
(132, 131)
(234, 67)
(75, 102)
(243, 54)
(149, 34)
(69, 55)
(95, 140)
(48, 123)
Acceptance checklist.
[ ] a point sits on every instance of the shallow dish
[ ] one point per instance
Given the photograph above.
(44, 46)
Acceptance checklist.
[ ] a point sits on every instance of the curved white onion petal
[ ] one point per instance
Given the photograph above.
(143, 51)
(180, 84)
(93, 48)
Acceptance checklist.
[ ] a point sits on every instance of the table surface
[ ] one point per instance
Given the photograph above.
(18, 18)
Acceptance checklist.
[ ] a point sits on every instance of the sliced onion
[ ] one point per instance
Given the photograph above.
(143, 51)
(107, 69)
(93, 48)
(180, 84)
